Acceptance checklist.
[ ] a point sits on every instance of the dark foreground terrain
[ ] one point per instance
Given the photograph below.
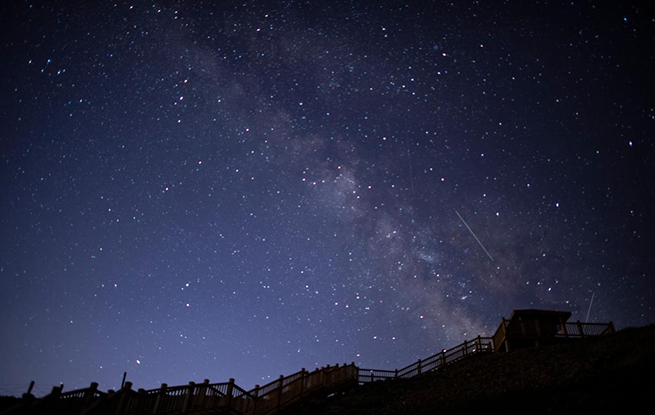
(612, 374)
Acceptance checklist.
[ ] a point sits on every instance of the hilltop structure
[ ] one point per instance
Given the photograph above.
(534, 328)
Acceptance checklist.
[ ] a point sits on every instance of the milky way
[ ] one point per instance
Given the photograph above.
(193, 190)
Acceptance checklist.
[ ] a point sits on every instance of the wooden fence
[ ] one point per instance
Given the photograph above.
(434, 362)
(540, 329)
(267, 399)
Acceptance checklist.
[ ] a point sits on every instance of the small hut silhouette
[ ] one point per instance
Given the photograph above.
(530, 328)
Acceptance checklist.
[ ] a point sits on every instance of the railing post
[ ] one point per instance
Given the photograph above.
(478, 344)
(90, 393)
(395, 373)
(160, 397)
(202, 394)
(465, 350)
(125, 390)
(443, 358)
(419, 367)
(230, 392)
(580, 328)
(279, 391)
(303, 372)
(188, 397)
(56, 390)
(506, 336)
(140, 397)
(255, 398)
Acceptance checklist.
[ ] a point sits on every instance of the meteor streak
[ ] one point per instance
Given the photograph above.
(476, 238)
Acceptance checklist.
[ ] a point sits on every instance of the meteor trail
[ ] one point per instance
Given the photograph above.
(476, 238)
(590, 303)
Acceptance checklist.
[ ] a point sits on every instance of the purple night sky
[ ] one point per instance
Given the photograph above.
(228, 189)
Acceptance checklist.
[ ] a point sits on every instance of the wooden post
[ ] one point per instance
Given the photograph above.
(478, 344)
(303, 373)
(202, 394)
(56, 390)
(255, 399)
(160, 398)
(504, 336)
(89, 395)
(443, 358)
(188, 397)
(125, 390)
(465, 350)
(28, 395)
(230, 392)
(419, 367)
(580, 328)
(395, 374)
(563, 323)
(279, 391)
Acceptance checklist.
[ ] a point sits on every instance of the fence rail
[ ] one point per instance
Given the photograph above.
(267, 399)
(434, 362)
(546, 329)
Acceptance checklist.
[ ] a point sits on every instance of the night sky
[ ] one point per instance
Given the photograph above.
(197, 190)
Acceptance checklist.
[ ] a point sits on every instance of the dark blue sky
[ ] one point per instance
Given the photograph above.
(192, 190)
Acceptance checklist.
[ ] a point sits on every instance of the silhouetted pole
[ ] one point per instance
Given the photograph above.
(28, 394)
(202, 393)
(56, 390)
(230, 392)
(580, 329)
(160, 397)
(123, 397)
(188, 397)
(90, 394)
(254, 399)
(279, 391)
(123, 382)
(303, 372)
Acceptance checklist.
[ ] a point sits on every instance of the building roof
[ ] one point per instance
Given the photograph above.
(540, 314)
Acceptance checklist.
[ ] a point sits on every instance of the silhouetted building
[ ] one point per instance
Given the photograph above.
(530, 328)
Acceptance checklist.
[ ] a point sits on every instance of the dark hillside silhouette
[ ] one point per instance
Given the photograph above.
(610, 374)
(308, 389)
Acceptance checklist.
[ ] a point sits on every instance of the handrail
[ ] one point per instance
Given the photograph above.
(434, 362)
(267, 399)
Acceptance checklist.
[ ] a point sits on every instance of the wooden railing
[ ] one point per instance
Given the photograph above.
(544, 329)
(434, 362)
(281, 392)
(261, 400)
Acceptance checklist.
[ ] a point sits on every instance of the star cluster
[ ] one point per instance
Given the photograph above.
(227, 189)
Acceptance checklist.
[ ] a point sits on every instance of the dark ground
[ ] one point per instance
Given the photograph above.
(613, 374)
